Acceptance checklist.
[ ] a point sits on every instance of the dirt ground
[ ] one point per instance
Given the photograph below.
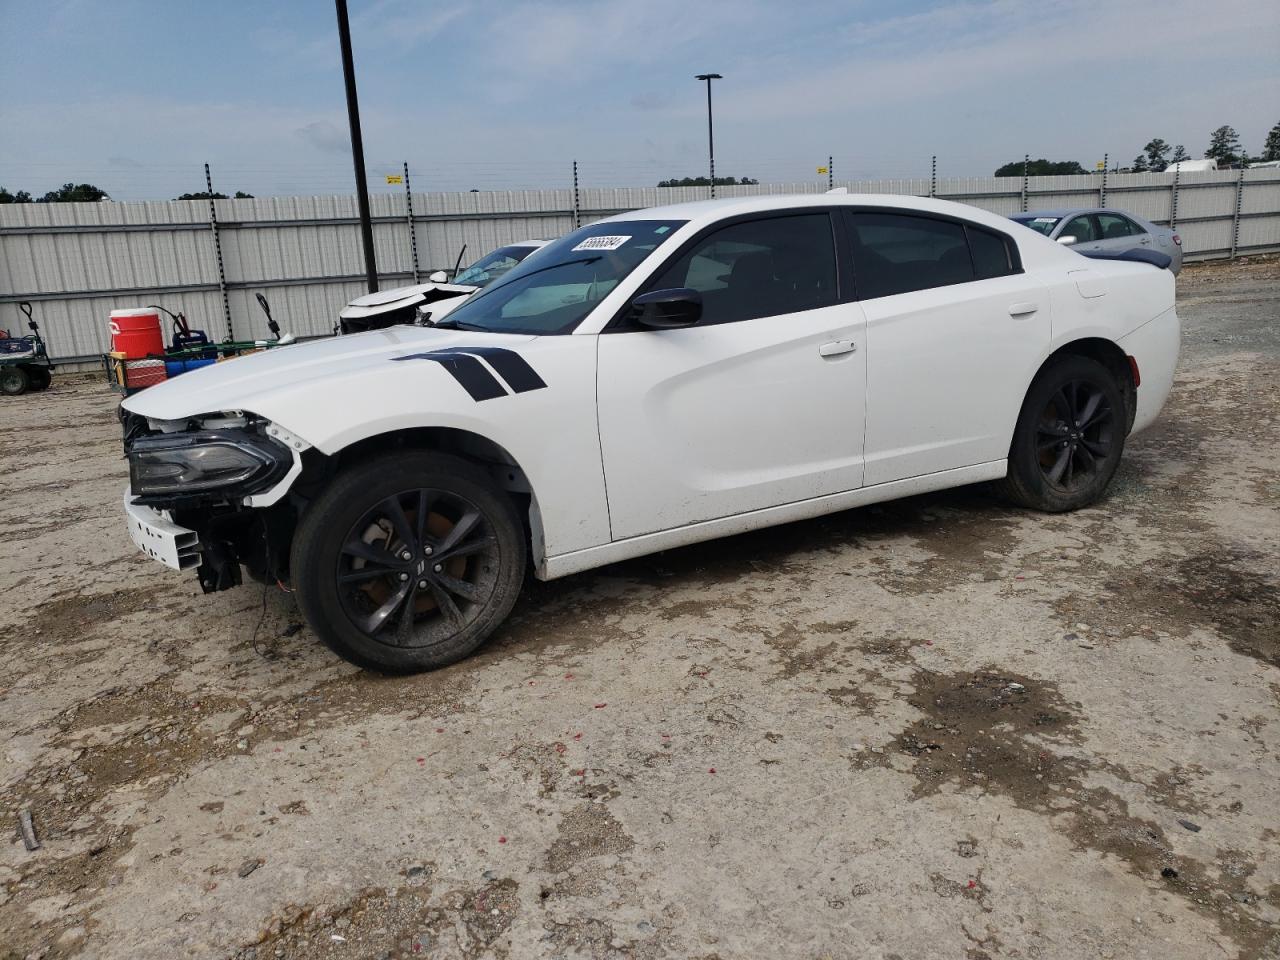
(936, 728)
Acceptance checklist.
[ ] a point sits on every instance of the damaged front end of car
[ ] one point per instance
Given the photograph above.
(213, 493)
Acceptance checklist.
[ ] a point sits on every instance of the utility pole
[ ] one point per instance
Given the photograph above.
(711, 138)
(357, 147)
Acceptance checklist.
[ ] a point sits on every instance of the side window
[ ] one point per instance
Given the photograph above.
(990, 251)
(1115, 226)
(1081, 228)
(893, 253)
(759, 268)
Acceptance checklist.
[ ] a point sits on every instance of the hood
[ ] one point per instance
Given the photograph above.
(396, 294)
(287, 384)
(386, 300)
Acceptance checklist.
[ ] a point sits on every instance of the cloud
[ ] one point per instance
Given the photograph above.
(404, 23)
(557, 41)
(325, 136)
(927, 57)
(650, 101)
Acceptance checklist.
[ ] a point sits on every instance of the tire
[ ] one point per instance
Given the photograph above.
(40, 377)
(1059, 463)
(353, 548)
(14, 381)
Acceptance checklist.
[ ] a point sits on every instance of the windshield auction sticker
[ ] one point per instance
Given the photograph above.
(601, 243)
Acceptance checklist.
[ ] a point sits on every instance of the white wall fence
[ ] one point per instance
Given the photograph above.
(78, 261)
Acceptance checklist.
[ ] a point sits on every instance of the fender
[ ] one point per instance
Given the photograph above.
(532, 396)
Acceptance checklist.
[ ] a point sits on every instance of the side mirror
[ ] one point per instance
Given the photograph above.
(1066, 241)
(667, 309)
(438, 277)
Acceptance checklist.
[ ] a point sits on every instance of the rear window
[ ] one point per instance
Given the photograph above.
(893, 254)
(991, 256)
(898, 253)
(1043, 225)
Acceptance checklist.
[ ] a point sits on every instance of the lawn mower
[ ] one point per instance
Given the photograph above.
(24, 361)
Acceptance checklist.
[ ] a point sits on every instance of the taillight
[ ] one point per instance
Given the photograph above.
(1133, 367)
(1177, 239)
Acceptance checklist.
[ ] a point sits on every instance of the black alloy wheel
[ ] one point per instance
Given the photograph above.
(1068, 439)
(416, 567)
(1074, 435)
(409, 560)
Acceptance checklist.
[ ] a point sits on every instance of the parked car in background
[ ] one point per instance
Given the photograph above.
(1192, 166)
(659, 378)
(386, 308)
(1103, 230)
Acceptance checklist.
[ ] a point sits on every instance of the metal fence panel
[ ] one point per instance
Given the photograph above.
(81, 260)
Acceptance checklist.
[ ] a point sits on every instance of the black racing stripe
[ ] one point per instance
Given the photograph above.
(467, 370)
(512, 367)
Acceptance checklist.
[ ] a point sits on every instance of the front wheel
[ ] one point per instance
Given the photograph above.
(1069, 437)
(13, 381)
(408, 562)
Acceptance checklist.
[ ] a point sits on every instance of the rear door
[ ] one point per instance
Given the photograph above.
(1118, 233)
(759, 404)
(955, 331)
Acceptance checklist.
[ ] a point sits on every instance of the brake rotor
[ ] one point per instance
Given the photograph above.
(438, 526)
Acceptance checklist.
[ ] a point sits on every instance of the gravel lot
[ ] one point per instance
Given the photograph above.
(937, 728)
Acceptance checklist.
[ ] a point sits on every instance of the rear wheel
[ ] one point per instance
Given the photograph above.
(13, 381)
(39, 376)
(408, 562)
(1068, 439)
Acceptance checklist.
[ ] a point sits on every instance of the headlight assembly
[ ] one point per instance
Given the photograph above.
(225, 462)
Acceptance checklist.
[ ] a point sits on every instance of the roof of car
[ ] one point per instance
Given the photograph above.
(700, 213)
(712, 210)
(1066, 212)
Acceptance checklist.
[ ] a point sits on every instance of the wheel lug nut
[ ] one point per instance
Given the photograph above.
(422, 584)
(406, 555)
(404, 576)
(437, 568)
(428, 551)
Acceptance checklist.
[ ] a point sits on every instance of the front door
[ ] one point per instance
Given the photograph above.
(759, 404)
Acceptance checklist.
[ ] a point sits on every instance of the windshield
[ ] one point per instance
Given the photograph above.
(554, 291)
(1043, 225)
(492, 266)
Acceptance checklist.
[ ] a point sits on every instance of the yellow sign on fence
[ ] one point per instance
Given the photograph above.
(822, 169)
(1100, 165)
(394, 179)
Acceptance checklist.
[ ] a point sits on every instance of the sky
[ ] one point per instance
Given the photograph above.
(136, 95)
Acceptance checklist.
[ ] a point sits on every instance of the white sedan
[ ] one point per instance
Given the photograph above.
(659, 378)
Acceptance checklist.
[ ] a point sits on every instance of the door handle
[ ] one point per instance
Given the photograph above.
(1023, 309)
(837, 348)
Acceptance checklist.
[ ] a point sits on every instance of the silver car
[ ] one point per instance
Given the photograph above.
(1101, 230)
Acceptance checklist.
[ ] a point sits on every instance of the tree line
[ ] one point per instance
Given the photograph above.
(1157, 155)
(706, 182)
(88, 193)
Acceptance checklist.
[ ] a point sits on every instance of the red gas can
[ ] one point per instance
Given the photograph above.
(136, 333)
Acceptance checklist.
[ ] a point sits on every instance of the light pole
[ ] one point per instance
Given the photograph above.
(711, 138)
(357, 147)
